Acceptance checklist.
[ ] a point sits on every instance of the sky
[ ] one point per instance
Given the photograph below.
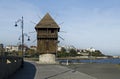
(83, 23)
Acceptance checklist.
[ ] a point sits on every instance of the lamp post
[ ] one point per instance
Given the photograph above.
(91, 51)
(67, 63)
(21, 21)
(22, 24)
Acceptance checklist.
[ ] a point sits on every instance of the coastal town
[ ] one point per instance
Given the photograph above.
(62, 51)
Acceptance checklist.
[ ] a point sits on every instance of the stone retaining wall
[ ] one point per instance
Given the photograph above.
(9, 65)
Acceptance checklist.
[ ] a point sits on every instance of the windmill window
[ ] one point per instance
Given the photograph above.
(52, 31)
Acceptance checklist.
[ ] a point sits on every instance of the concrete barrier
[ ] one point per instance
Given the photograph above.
(9, 65)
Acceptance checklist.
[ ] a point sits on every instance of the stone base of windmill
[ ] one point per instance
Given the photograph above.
(47, 59)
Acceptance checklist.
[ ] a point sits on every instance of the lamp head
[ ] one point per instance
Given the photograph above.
(28, 38)
(16, 25)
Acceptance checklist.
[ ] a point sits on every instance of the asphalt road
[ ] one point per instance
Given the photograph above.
(99, 71)
(33, 70)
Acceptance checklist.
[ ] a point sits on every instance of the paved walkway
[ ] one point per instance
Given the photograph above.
(27, 72)
(100, 71)
(33, 70)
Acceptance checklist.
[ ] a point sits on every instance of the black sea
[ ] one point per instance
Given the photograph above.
(103, 61)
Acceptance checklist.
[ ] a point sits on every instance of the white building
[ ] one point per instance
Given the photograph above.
(59, 48)
(90, 49)
(11, 48)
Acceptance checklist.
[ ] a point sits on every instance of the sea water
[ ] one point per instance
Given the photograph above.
(111, 61)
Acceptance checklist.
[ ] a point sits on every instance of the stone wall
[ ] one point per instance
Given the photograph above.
(47, 59)
(9, 65)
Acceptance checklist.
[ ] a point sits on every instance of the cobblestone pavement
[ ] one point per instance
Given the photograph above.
(33, 70)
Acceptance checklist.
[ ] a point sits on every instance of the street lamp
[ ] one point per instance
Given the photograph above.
(26, 36)
(22, 24)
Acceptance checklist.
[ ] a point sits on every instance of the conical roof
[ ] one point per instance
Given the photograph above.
(47, 22)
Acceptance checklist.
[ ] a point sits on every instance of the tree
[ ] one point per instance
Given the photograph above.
(96, 53)
(63, 50)
(31, 53)
(73, 52)
(62, 53)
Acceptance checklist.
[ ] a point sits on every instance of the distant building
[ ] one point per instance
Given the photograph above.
(59, 48)
(67, 48)
(90, 49)
(25, 48)
(82, 52)
(11, 48)
(33, 47)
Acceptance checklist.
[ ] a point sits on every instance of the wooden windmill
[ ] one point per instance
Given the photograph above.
(47, 35)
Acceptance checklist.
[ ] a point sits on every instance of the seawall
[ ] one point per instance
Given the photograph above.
(9, 65)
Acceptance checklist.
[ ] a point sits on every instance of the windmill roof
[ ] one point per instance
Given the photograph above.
(47, 22)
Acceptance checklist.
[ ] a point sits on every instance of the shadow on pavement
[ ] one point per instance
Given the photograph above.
(27, 72)
(57, 74)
